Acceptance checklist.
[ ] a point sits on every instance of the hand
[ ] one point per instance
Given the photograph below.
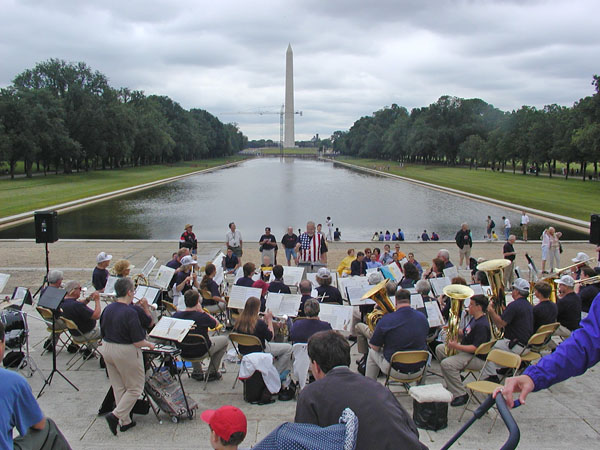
(452, 344)
(150, 345)
(522, 384)
(143, 303)
(95, 296)
(268, 315)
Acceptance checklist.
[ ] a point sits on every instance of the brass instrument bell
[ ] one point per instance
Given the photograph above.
(457, 293)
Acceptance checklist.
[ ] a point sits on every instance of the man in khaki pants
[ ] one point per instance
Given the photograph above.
(123, 338)
(475, 333)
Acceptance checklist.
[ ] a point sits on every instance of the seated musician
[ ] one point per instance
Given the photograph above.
(326, 292)
(476, 332)
(436, 270)
(382, 421)
(277, 285)
(100, 273)
(304, 328)
(175, 263)
(215, 303)
(20, 410)
(217, 345)
(444, 255)
(344, 267)
(185, 279)
(362, 330)
(517, 321)
(77, 310)
(305, 288)
(358, 267)
(55, 279)
(580, 261)
(404, 329)
(569, 306)
(231, 262)
(250, 323)
(587, 292)
(411, 276)
(545, 311)
(247, 280)
(122, 268)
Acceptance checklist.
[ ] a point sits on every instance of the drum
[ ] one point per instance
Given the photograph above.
(14, 325)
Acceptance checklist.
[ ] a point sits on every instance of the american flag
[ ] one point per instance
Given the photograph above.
(310, 247)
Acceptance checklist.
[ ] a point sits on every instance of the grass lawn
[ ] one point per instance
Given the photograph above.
(27, 194)
(289, 151)
(571, 198)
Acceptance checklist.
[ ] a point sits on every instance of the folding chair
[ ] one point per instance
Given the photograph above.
(301, 365)
(189, 343)
(247, 340)
(500, 357)
(170, 308)
(535, 344)
(483, 349)
(216, 330)
(548, 327)
(221, 315)
(408, 357)
(59, 329)
(77, 337)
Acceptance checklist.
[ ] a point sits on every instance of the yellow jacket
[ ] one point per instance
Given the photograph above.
(344, 266)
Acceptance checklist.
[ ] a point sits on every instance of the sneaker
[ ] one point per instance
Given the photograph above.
(460, 400)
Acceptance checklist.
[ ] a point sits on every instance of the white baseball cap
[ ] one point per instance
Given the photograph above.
(324, 272)
(581, 257)
(567, 280)
(521, 284)
(102, 256)
(188, 260)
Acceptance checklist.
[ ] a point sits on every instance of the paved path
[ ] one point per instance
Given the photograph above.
(567, 416)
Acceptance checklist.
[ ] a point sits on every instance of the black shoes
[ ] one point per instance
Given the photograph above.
(213, 376)
(493, 379)
(460, 400)
(113, 422)
(124, 428)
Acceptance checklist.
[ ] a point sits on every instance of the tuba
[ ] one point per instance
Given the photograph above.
(379, 295)
(494, 269)
(457, 293)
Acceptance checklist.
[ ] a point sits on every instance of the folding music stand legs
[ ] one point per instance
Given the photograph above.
(54, 369)
(47, 272)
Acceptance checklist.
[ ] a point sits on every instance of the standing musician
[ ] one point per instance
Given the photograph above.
(476, 332)
(517, 321)
(123, 338)
(268, 246)
(233, 240)
(188, 239)
(311, 245)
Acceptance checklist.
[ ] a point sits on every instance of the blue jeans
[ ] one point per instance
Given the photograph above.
(290, 253)
(506, 233)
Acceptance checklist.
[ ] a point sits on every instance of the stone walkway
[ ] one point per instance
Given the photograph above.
(567, 416)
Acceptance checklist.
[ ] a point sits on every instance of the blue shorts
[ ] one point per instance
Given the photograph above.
(289, 253)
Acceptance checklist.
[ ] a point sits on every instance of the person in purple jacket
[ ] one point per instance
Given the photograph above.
(573, 357)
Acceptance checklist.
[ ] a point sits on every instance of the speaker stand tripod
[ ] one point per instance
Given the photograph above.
(47, 271)
(54, 369)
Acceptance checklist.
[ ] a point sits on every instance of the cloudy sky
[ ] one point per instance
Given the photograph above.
(351, 57)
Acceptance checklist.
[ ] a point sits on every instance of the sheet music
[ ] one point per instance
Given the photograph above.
(172, 329)
(218, 262)
(392, 272)
(355, 294)
(3, 280)
(149, 266)
(416, 301)
(239, 294)
(340, 317)
(292, 275)
(434, 315)
(403, 261)
(451, 272)
(477, 289)
(20, 293)
(438, 285)
(149, 292)
(283, 304)
(163, 277)
(312, 277)
(109, 289)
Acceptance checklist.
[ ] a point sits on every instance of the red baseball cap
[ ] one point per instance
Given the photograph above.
(225, 421)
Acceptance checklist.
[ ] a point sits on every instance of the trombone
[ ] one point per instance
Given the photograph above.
(590, 280)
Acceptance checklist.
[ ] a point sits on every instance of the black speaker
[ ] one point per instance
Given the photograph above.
(46, 230)
(595, 229)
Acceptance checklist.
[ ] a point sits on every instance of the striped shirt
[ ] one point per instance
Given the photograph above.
(310, 247)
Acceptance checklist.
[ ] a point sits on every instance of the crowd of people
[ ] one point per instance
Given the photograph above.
(121, 328)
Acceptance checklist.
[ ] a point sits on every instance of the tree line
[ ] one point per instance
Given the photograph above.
(472, 132)
(66, 116)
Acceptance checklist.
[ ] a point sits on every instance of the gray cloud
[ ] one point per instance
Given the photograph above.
(351, 57)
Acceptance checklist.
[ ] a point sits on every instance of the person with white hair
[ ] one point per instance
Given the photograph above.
(55, 279)
(444, 255)
(550, 249)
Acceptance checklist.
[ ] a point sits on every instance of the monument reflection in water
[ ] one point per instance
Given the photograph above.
(280, 193)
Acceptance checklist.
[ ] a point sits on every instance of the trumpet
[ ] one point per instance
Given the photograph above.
(590, 280)
(457, 293)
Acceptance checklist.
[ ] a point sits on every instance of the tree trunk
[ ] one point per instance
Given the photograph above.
(595, 170)
(583, 164)
(567, 171)
(549, 169)
(12, 169)
(28, 167)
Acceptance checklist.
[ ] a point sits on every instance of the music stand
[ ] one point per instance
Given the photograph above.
(52, 299)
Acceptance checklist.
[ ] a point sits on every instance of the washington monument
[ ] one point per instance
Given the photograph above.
(289, 140)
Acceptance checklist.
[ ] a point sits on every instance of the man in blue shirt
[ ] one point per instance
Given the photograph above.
(573, 357)
(18, 408)
(404, 329)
